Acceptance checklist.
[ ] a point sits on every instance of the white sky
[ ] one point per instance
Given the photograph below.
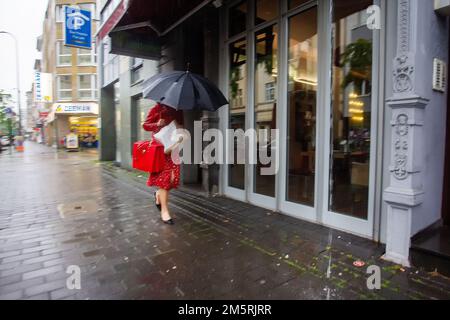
(23, 18)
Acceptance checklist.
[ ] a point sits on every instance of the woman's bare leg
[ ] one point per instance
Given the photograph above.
(163, 197)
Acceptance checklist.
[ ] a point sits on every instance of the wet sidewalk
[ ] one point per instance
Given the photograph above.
(67, 209)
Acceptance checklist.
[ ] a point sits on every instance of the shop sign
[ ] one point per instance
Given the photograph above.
(76, 108)
(77, 28)
(43, 89)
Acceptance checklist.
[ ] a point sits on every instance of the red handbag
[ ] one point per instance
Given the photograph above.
(148, 156)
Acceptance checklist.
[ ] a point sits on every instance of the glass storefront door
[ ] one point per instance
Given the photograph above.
(352, 124)
(237, 107)
(279, 71)
(265, 104)
(301, 108)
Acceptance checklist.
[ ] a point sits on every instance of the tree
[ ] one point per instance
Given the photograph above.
(6, 124)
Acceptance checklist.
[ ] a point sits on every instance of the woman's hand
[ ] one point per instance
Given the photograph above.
(161, 123)
(175, 145)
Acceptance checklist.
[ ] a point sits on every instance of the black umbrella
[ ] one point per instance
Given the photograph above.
(184, 91)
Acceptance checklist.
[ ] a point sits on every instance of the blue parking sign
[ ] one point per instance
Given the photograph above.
(77, 28)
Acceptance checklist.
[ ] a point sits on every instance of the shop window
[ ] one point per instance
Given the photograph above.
(86, 56)
(351, 109)
(237, 19)
(87, 87)
(266, 10)
(238, 100)
(64, 87)
(296, 3)
(64, 54)
(87, 130)
(266, 72)
(302, 106)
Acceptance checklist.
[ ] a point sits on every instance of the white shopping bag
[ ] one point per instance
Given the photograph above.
(168, 136)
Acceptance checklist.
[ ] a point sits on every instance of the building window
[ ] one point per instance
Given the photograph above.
(86, 56)
(64, 87)
(87, 87)
(64, 54)
(296, 3)
(89, 7)
(266, 10)
(59, 13)
(108, 10)
(110, 63)
(136, 70)
(270, 91)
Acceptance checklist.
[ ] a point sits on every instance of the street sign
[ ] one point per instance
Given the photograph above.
(77, 28)
(8, 113)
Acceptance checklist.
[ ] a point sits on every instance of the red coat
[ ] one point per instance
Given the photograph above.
(169, 178)
(159, 112)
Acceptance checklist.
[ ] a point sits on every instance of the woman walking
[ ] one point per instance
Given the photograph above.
(169, 178)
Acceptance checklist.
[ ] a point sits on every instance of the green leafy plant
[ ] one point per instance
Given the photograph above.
(358, 56)
(235, 76)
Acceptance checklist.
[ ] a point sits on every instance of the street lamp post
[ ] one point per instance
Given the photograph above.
(17, 77)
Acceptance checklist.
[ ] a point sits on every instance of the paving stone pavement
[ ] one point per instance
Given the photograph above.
(64, 209)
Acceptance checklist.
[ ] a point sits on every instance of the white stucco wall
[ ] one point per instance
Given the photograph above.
(432, 32)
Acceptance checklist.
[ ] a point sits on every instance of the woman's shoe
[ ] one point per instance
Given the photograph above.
(156, 204)
(169, 222)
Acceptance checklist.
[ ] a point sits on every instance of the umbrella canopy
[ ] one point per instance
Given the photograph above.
(184, 91)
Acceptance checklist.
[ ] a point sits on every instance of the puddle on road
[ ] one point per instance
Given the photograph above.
(67, 210)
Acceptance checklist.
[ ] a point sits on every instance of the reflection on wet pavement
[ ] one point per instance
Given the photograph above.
(61, 209)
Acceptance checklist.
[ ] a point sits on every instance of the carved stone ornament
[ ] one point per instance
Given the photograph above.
(403, 72)
(401, 147)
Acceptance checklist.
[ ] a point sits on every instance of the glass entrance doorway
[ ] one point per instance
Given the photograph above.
(287, 71)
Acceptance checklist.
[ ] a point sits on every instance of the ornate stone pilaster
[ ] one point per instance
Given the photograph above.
(405, 191)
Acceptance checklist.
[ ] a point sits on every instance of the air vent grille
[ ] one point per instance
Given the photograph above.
(439, 75)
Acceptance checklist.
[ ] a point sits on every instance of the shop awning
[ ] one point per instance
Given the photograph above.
(144, 22)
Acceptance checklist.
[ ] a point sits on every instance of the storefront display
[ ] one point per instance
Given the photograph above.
(86, 129)
(78, 118)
